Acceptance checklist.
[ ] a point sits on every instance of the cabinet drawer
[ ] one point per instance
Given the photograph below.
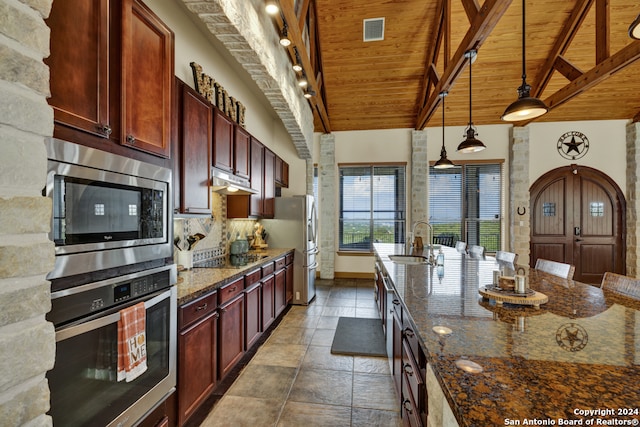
(197, 309)
(267, 269)
(410, 411)
(412, 340)
(230, 290)
(280, 263)
(411, 372)
(288, 258)
(253, 277)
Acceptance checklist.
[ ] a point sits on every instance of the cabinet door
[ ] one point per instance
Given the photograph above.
(269, 192)
(278, 170)
(288, 272)
(195, 142)
(241, 152)
(256, 172)
(280, 292)
(268, 297)
(253, 318)
(196, 365)
(147, 76)
(231, 334)
(79, 64)
(397, 346)
(222, 141)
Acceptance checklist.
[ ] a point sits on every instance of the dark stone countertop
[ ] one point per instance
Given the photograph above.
(578, 352)
(196, 282)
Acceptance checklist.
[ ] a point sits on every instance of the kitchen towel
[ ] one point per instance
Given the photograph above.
(132, 343)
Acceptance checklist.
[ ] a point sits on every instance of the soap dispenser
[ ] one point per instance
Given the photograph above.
(440, 257)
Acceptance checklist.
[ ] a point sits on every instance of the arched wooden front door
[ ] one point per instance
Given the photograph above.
(578, 217)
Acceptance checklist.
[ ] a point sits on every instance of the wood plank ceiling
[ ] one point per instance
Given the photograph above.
(579, 60)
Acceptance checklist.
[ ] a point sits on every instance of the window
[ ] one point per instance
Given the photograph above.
(465, 202)
(372, 206)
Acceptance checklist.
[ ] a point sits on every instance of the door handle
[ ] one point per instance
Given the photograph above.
(576, 231)
(578, 240)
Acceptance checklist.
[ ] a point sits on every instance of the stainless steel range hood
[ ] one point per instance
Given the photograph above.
(224, 182)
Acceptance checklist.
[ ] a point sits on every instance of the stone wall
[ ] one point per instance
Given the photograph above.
(327, 171)
(633, 195)
(520, 225)
(419, 206)
(27, 340)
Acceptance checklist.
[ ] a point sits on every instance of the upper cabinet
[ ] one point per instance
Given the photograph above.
(111, 67)
(223, 141)
(241, 149)
(193, 156)
(147, 76)
(282, 173)
(269, 183)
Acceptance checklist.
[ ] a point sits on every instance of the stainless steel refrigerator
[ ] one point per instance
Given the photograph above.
(294, 226)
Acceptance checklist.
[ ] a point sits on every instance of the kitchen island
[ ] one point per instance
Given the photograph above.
(572, 360)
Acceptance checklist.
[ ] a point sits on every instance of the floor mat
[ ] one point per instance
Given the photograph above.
(359, 337)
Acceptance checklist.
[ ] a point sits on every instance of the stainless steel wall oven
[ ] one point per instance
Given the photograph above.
(109, 211)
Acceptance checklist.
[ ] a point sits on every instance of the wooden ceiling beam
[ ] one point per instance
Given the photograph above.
(482, 25)
(471, 8)
(433, 53)
(566, 68)
(560, 47)
(302, 13)
(603, 38)
(636, 118)
(597, 74)
(290, 17)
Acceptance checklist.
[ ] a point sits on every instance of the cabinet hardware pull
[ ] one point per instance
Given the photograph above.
(233, 289)
(106, 130)
(408, 369)
(396, 302)
(131, 139)
(201, 307)
(408, 332)
(217, 315)
(407, 406)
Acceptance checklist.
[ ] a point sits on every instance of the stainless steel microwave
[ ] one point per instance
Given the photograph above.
(108, 210)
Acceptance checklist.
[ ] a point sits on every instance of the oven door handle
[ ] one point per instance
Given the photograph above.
(100, 322)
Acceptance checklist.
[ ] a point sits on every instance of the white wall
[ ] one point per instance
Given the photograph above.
(607, 153)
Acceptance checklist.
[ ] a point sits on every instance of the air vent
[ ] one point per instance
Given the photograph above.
(373, 29)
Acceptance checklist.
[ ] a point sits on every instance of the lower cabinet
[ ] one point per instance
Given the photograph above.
(280, 291)
(268, 299)
(231, 337)
(198, 354)
(253, 318)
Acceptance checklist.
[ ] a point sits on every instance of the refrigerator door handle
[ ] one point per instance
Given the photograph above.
(314, 251)
(311, 267)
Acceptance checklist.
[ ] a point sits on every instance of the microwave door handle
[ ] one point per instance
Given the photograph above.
(101, 322)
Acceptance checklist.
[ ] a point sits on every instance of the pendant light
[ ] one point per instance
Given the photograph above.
(525, 107)
(271, 7)
(634, 28)
(443, 163)
(471, 144)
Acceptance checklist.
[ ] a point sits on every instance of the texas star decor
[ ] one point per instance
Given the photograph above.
(573, 145)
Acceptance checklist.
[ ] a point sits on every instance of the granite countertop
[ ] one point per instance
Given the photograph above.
(199, 281)
(578, 352)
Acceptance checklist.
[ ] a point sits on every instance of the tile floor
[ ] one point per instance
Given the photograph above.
(294, 380)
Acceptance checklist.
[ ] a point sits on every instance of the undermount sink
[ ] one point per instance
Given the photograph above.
(409, 259)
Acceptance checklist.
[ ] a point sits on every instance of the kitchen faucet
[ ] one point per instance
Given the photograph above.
(430, 237)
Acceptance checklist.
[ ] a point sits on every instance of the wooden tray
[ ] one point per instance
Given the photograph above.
(533, 298)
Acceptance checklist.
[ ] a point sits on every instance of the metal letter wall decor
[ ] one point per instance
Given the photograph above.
(217, 95)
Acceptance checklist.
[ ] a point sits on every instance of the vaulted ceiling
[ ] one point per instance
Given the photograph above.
(579, 60)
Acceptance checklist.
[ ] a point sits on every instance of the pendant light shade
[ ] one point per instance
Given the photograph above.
(634, 28)
(525, 107)
(443, 162)
(471, 144)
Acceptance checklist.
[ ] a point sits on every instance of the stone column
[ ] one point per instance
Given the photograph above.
(309, 177)
(519, 225)
(327, 215)
(633, 196)
(27, 340)
(419, 180)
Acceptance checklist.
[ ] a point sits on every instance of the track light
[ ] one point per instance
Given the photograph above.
(284, 37)
(302, 81)
(271, 7)
(297, 67)
(525, 107)
(309, 93)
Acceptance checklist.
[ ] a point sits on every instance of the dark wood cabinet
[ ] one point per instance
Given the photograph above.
(280, 298)
(268, 299)
(111, 68)
(223, 130)
(269, 185)
(288, 273)
(195, 135)
(241, 150)
(147, 78)
(79, 65)
(197, 354)
(245, 206)
(281, 172)
(253, 318)
(396, 364)
(231, 343)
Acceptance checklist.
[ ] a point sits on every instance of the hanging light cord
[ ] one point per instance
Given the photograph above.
(470, 62)
(524, 70)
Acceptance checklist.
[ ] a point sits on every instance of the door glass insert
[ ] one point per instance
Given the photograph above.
(549, 209)
(596, 209)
